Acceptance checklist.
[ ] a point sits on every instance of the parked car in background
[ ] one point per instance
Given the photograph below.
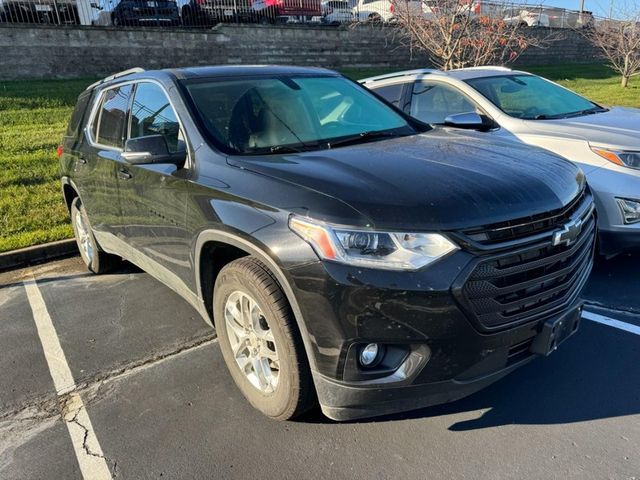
(529, 18)
(345, 251)
(384, 10)
(604, 142)
(58, 12)
(278, 11)
(335, 12)
(210, 12)
(145, 13)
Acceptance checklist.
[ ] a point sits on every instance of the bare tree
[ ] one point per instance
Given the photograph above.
(457, 34)
(619, 41)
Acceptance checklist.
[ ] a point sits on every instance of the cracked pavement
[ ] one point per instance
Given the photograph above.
(150, 377)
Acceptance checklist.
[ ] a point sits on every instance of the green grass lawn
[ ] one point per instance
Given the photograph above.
(33, 118)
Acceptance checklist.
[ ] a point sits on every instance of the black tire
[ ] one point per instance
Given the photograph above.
(99, 261)
(294, 393)
(187, 19)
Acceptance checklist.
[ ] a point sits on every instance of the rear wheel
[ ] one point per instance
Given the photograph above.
(93, 257)
(259, 340)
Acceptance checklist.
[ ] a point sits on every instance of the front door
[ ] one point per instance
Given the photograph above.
(153, 197)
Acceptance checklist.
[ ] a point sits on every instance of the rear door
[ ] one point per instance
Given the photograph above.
(98, 158)
(153, 197)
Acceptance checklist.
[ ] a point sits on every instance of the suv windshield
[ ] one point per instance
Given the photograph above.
(532, 98)
(257, 115)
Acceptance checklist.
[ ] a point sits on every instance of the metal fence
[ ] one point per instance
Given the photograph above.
(207, 13)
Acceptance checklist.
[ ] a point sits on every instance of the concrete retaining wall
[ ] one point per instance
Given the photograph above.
(67, 52)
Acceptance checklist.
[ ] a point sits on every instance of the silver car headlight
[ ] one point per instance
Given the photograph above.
(630, 209)
(625, 158)
(372, 249)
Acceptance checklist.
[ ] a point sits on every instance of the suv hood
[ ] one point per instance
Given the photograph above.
(441, 180)
(618, 127)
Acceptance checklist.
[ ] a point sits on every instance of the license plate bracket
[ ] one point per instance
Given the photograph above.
(555, 331)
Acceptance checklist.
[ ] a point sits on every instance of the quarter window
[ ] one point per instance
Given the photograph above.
(109, 125)
(152, 114)
(432, 102)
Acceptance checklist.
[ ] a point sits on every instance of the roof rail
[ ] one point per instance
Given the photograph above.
(405, 73)
(123, 73)
(486, 67)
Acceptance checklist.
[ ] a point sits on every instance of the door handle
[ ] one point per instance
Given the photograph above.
(123, 174)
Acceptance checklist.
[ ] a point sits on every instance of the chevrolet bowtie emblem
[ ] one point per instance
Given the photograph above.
(568, 234)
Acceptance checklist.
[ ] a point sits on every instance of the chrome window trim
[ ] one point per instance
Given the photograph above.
(98, 102)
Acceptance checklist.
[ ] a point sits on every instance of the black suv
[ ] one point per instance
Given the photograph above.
(155, 13)
(344, 251)
(207, 13)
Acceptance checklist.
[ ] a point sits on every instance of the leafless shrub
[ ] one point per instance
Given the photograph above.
(619, 41)
(457, 34)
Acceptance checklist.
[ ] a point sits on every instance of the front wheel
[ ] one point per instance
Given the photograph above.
(93, 257)
(260, 342)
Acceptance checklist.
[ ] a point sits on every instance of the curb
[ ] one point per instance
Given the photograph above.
(37, 254)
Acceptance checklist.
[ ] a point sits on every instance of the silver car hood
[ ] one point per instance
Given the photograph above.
(618, 127)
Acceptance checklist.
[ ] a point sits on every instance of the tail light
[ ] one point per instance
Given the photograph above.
(476, 8)
(59, 151)
(392, 8)
(200, 2)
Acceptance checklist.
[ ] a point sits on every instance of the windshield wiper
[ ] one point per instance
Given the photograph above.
(361, 137)
(284, 149)
(588, 111)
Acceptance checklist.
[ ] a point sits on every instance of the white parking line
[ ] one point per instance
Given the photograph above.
(85, 443)
(611, 322)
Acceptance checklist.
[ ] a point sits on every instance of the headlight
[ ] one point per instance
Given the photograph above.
(630, 209)
(619, 157)
(366, 248)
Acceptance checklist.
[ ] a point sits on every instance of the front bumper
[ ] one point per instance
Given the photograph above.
(344, 401)
(343, 307)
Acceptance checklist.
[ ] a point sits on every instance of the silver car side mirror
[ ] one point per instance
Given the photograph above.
(469, 120)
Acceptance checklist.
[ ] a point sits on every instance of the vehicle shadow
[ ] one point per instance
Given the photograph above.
(594, 375)
(123, 269)
(613, 282)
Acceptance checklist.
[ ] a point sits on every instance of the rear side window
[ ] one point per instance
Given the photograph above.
(152, 114)
(110, 123)
(75, 122)
(391, 93)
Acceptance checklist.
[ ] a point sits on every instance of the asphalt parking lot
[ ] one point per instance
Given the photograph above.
(146, 395)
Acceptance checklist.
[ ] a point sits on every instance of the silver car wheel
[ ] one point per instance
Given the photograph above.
(84, 238)
(252, 341)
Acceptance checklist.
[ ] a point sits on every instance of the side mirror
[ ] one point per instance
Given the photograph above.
(151, 150)
(469, 120)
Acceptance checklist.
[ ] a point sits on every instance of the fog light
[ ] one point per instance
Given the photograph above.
(369, 354)
(630, 209)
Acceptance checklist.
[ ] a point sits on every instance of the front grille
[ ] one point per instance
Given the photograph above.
(525, 227)
(532, 281)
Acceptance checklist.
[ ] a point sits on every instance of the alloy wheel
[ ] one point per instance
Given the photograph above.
(252, 341)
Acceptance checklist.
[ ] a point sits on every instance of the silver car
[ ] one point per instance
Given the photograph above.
(509, 104)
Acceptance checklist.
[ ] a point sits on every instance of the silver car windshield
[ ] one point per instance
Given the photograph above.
(529, 97)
